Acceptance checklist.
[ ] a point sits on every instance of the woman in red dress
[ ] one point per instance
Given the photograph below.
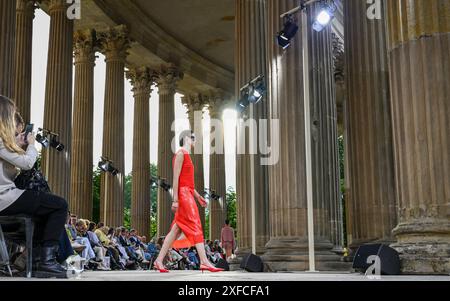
(186, 230)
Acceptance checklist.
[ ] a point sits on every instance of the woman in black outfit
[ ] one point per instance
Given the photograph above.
(51, 210)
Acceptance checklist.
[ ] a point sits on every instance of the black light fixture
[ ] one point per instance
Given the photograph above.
(253, 92)
(163, 183)
(106, 165)
(290, 29)
(56, 144)
(211, 194)
(49, 139)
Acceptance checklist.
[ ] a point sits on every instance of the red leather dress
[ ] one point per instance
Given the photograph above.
(187, 217)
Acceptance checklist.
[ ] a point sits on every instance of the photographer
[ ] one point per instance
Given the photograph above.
(50, 209)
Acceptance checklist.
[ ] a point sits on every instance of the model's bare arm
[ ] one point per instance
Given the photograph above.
(176, 176)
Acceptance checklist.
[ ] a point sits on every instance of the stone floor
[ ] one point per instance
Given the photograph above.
(232, 276)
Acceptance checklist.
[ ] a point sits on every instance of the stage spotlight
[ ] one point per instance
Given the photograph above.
(324, 17)
(257, 89)
(252, 92)
(49, 139)
(56, 144)
(289, 31)
(242, 103)
(106, 166)
(164, 185)
(42, 139)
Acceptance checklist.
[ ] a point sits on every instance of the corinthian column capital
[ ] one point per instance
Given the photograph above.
(114, 42)
(216, 103)
(85, 45)
(168, 77)
(26, 7)
(142, 79)
(195, 102)
(54, 4)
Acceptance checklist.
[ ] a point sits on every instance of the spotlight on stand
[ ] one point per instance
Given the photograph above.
(49, 139)
(253, 92)
(256, 89)
(289, 31)
(158, 182)
(211, 195)
(165, 185)
(106, 165)
(325, 16)
(42, 138)
(54, 142)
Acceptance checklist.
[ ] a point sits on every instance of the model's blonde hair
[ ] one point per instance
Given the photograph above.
(8, 125)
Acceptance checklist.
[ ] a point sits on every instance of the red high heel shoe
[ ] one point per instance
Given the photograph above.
(211, 269)
(156, 266)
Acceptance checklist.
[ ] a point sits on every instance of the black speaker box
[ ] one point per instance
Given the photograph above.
(389, 259)
(252, 263)
(223, 264)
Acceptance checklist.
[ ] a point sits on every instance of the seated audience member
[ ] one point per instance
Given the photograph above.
(88, 253)
(114, 235)
(136, 240)
(96, 245)
(112, 252)
(124, 242)
(213, 256)
(217, 248)
(193, 257)
(140, 247)
(152, 248)
(18, 152)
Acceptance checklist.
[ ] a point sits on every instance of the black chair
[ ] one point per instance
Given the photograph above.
(14, 228)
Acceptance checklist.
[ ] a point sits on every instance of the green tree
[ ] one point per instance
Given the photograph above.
(231, 207)
(206, 230)
(96, 195)
(127, 198)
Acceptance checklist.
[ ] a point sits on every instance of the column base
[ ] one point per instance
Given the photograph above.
(424, 258)
(424, 247)
(292, 255)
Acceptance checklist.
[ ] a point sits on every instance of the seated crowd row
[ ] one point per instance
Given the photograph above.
(104, 248)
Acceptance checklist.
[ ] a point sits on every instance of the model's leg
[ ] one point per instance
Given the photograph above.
(168, 241)
(202, 254)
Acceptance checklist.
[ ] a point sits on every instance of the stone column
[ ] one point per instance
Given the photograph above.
(287, 248)
(83, 124)
(251, 62)
(58, 97)
(23, 59)
(339, 80)
(419, 60)
(217, 209)
(114, 44)
(370, 198)
(7, 46)
(341, 100)
(167, 83)
(325, 157)
(142, 79)
(195, 104)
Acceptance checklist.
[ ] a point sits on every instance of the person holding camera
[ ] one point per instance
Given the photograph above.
(20, 152)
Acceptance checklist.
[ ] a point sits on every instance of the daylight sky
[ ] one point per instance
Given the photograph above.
(40, 48)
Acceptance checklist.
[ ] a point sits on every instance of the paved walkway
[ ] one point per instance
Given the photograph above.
(233, 276)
